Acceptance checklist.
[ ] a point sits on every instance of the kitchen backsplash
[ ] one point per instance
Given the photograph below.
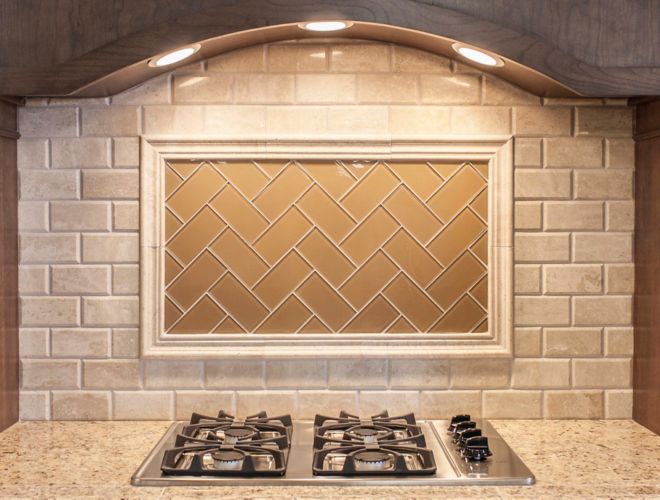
(79, 217)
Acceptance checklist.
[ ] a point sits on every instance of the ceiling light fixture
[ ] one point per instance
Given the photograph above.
(175, 56)
(477, 55)
(325, 25)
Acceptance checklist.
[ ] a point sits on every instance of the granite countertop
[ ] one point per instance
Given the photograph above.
(572, 459)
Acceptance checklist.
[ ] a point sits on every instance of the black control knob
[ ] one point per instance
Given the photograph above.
(462, 426)
(476, 449)
(467, 434)
(456, 419)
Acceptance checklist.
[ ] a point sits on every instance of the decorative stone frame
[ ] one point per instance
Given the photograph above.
(497, 150)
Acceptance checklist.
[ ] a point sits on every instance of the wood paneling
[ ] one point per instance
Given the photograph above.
(596, 47)
(646, 364)
(8, 267)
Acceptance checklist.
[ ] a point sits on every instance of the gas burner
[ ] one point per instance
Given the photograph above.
(382, 417)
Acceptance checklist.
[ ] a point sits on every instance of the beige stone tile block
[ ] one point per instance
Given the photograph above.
(31, 153)
(153, 91)
(480, 120)
(275, 402)
(358, 120)
(173, 374)
(125, 279)
(47, 122)
(602, 247)
(565, 278)
(573, 215)
(361, 373)
(296, 374)
(569, 342)
(497, 91)
(126, 216)
(540, 184)
(419, 120)
(110, 120)
(620, 215)
(249, 60)
(513, 404)
(325, 88)
(527, 152)
(540, 247)
(620, 278)
(50, 311)
(49, 374)
(582, 152)
(88, 152)
(34, 405)
(542, 311)
(480, 373)
(359, 57)
(527, 279)
(32, 216)
(235, 120)
(540, 373)
(392, 88)
(450, 89)
(264, 89)
(296, 120)
(602, 311)
(173, 119)
(33, 342)
(49, 184)
(143, 405)
(111, 374)
(604, 121)
(620, 153)
(110, 184)
(527, 342)
(410, 60)
(114, 247)
(125, 343)
(528, 214)
(445, 404)
(198, 89)
(204, 402)
(80, 216)
(602, 373)
(542, 121)
(573, 404)
(81, 405)
(603, 184)
(296, 58)
(125, 152)
(311, 403)
(395, 402)
(419, 374)
(33, 280)
(110, 311)
(619, 341)
(239, 374)
(70, 280)
(48, 248)
(80, 343)
(618, 404)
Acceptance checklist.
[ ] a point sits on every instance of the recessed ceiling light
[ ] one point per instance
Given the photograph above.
(174, 57)
(325, 25)
(477, 55)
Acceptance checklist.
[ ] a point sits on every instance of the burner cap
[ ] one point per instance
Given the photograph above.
(238, 432)
(372, 457)
(364, 431)
(227, 455)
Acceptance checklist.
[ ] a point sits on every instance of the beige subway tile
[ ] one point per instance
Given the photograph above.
(110, 184)
(143, 405)
(80, 152)
(621, 153)
(241, 374)
(540, 247)
(49, 374)
(126, 215)
(411, 60)
(602, 310)
(603, 184)
(235, 120)
(264, 89)
(194, 89)
(542, 121)
(620, 215)
(450, 89)
(480, 120)
(569, 342)
(546, 183)
(540, 373)
(527, 152)
(111, 374)
(275, 402)
(527, 279)
(109, 120)
(582, 152)
(573, 404)
(527, 214)
(80, 343)
(50, 311)
(69, 280)
(395, 402)
(81, 405)
(359, 58)
(620, 278)
(31, 153)
(362, 373)
(296, 374)
(619, 404)
(604, 121)
(296, 58)
(445, 404)
(600, 373)
(358, 119)
(153, 91)
(565, 278)
(125, 279)
(419, 120)
(114, 247)
(480, 373)
(48, 248)
(111, 311)
(173, 119)
(32, 216)
(419, 374)
(498, 91)
(47, 122)
(392, 88)
(48, 184)
(527, 342)
(203, 402)
(166, 374)
(33, 280)
(248, 60)
(573, 215)
(80, 216)
(325, 88)
(619, 341)
(33, 342)
(312, 403)
(125, 343)
(34, 405)
(513, 404)
(296, 120)
(542, 311)
(125, 152)
(602, 247)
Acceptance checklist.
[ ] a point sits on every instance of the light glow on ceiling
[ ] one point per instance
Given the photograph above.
(478, 56)
(325, 25)
(174, 57)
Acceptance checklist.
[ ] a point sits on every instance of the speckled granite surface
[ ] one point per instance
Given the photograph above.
(571, 459)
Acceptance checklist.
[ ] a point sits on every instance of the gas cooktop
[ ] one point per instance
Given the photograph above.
(346, 449)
